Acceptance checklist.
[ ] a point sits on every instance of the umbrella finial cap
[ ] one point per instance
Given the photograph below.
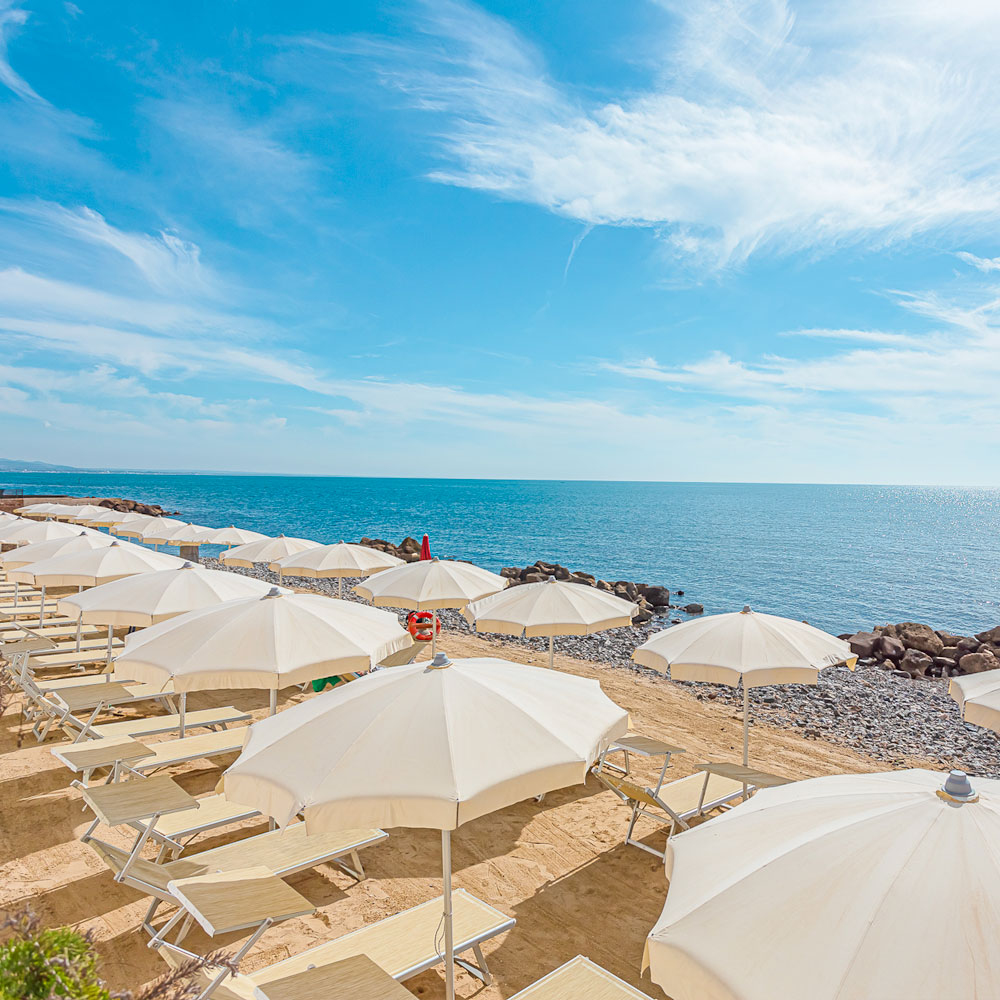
(958, 788)
(188, 565)
(746, 609)
(439, 662)
(273, 592)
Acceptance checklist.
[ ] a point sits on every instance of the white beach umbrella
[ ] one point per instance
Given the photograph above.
(79, 541)
(23, 555)
(846, 887)
(747, 647)
(107, 516)
(263, 643)
(429, 585)
(24, 532)
(338, 560)
(139, 526)
(91, 568)
(978, 695)
(234, 536)
(186, 534)
(265, 550)
(150, 598)
(39, 509)
(85, 513)
(551, 608)
(427, 745)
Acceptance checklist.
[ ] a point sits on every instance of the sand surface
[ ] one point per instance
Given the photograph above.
(560, 868)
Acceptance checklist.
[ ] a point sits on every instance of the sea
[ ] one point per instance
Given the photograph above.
(841, 557)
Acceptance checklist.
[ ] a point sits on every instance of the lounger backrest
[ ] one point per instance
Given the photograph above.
(628, 789)
(142, 870)
(580, 978)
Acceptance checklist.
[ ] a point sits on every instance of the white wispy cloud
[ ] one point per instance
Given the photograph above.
(985, 264)
(12, 17)
(768, 124)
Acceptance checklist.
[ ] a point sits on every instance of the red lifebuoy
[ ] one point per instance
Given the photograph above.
(419, 625)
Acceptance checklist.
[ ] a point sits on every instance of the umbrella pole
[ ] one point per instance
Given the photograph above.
(434, 634)
(746, 731)
(183, 712)
(41, 606)
(552, 639)
(274, 701)
(111, 633)
(16, 586)
(79, 629)
(449, 937)
(340, 586)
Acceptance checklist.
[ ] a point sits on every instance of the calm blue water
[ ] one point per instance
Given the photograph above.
(840, 557)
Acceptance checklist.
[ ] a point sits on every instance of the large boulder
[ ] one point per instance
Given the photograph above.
(510, 573)
(967, 646)
(916, 663)
(692, 609)
(976, 663)
(993, 635)
(583, 578)
(890, 648)
(659, 597)
(863, 644)
(561, 573)
(605, 586)
(913, 635)
(944, 665)
(949, 638)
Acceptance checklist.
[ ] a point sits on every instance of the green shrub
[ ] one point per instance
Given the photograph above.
(47, 963)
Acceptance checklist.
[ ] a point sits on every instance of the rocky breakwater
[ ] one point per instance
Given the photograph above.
(910, 649)
(135, 507)
(652, 599)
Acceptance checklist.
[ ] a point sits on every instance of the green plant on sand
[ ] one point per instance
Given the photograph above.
(59, 963)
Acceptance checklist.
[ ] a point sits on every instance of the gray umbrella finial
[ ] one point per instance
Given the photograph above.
(958, 788)
(439, 662)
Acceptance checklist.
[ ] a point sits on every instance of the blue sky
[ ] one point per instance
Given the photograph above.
(646, 240)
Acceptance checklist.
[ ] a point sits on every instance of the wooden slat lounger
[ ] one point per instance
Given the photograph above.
(91, 755)
(678, 801)
(403, 945)
(158, 808)
(208, 718)
(282, 852)
(580, 979)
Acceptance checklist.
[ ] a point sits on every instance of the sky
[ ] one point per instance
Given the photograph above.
(719, 240)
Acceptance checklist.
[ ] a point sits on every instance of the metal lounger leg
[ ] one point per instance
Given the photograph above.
(357, 872)
(480, 970)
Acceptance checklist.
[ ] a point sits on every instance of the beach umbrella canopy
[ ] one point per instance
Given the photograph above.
(429, 745)
(186, 534)
(150, 530)
(66, 511)
(150, 598)
(80, 541)
(338, 560)
(108, 516)
(267, 642)
(744, 647)
(86, 513)
(846, 887)
(39, 509)
(234, 536)
(429, 585)
(24, 532)
(265, 550)
(93, 567)
(978, 695)
(551, 608)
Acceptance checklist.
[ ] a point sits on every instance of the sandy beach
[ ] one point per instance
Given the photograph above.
(560, 868)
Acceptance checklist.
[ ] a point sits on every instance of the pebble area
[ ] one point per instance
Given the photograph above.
(886, 717)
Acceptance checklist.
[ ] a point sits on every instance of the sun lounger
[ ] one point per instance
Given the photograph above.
(580, 979)
(67, 706)
(282, 852)
(402, 945)
(207, 718)
(642, 746)
(158, 808)
(112, 751)
(71, 657)
(677, 802)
